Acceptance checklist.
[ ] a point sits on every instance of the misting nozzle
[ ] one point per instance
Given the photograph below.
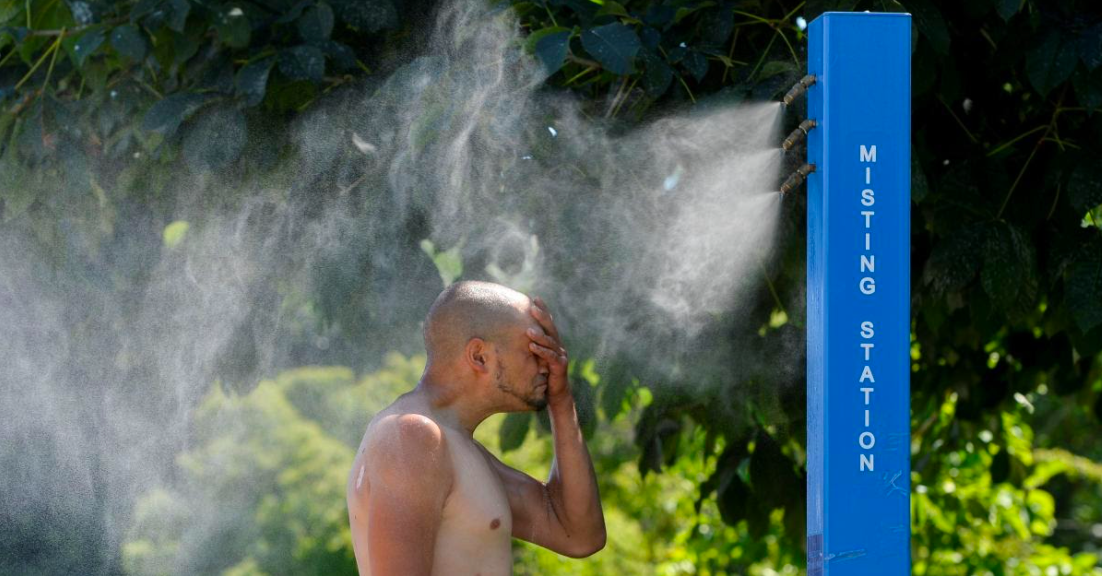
(798, 134)
(797, 178)
(799, 88)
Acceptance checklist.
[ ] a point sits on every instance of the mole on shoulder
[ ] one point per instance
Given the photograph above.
(496, 522)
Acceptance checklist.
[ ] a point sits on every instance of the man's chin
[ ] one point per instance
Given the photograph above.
(538, 403)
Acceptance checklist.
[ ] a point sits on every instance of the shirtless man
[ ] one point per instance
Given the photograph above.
(424, 498)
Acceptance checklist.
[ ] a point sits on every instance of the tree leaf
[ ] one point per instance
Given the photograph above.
(613, 8)
(449, 263)
(615, 384)
(930, 23)
(771, 474)
(1007, 8)
(1083, 294)
(183, 47)
(128, 41)
(513, 430)
(15, 193)
(147, 11)
(531, 40)
(1088, 87)
(551, 50)
(367, 15)
(1000, 466)
(166, 115)
(215, 140)
(1085, 185)
(233, 27)
(10, 9)
(614, 46)
(175, 233)
(651, 38)
(585, 403)
(775, 67)
(178, 13)
(919, 186)
(1050, 63)
(13, 34)
(1090, 46)
(954, 260)
(339, 54)
(83, 46)
(316, 23)
(657, 75)
(697, 65)
(684, 11)
(295, 11)
(302, 63)
(252, 80)
(733, 499)
(1009, 269)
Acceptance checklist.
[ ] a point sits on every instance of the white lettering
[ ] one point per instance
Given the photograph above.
(866, 330)
(867, 285)
(867, 440)
(868, 263)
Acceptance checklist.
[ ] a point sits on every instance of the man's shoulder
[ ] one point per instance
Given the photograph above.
(407, 429)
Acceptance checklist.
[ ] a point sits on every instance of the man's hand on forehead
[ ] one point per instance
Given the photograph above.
(547, 345)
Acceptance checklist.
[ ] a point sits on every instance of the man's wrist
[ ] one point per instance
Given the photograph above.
(560, 401)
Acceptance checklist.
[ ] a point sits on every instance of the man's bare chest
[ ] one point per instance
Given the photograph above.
(477, 506)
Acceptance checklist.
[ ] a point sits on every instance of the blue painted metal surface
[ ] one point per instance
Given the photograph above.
(858, 295)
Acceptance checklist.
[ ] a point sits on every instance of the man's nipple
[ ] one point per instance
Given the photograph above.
(495, 523)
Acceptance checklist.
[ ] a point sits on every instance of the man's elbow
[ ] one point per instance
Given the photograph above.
(589, 546)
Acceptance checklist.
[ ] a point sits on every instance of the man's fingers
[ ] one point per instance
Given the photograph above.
(546, 352)
(543, 316)
(543, 339)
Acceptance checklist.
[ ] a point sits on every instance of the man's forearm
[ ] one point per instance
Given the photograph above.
(573, 483)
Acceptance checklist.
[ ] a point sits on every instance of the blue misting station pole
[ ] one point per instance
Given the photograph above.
(858, 295)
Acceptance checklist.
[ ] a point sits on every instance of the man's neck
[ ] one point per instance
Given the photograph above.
(450, 405)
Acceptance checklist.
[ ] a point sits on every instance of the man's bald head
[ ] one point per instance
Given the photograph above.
(468, 310)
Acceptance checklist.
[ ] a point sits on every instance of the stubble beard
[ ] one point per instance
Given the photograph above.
(534, 402)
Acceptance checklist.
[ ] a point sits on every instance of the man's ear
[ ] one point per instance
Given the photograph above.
(477, 355)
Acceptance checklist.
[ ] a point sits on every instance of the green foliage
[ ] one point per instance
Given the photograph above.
(262, 489)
